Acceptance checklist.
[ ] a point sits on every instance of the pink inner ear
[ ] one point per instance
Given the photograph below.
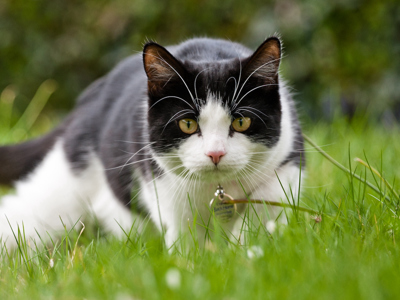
(159, 64)
(157, 68)
(161, 67)
(270, 50)
(265, 60)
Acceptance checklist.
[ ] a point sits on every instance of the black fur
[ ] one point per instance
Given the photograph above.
(19, 160)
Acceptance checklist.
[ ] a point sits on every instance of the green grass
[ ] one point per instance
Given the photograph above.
(353, 253)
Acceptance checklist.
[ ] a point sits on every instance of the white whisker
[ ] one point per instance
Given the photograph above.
(174, 117)
(183, 81)
(141, 149)
(195, 87)
(244, 83)
(167, 97)
(243, 109)
(256, 88)
(240, 77)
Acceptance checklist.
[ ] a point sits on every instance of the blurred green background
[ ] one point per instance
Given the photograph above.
(340, 56)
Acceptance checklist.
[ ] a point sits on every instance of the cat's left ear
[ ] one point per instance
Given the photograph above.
(161, 66)
(264, 63)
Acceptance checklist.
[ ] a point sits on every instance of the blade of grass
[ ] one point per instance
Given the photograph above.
(35, 107)
(344, 169)
(375, 171)
(7, 98)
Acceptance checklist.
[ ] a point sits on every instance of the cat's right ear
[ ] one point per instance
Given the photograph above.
(161, 66)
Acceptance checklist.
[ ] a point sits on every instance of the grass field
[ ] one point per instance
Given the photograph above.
(351, 254)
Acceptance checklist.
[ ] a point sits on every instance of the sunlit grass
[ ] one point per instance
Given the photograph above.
(351, 253)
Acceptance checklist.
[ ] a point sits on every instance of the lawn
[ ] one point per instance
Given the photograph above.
(350, 253)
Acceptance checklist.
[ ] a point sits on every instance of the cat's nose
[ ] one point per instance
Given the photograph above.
(215, 156)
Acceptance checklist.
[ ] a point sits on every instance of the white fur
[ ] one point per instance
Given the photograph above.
(53, 193)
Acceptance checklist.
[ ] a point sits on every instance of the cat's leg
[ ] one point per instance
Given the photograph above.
(168, 207)
(108, 210)
(155, 197)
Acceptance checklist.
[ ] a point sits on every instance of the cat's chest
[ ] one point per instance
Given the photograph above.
(182, 199)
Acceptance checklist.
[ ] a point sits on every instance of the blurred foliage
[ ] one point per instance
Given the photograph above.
(339, 54)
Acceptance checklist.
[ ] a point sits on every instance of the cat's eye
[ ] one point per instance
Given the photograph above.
(188, 126)
(241, 124)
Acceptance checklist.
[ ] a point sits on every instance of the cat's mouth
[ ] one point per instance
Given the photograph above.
(216, 173)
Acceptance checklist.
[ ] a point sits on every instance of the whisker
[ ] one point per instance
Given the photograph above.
(258, 87)
(136, 153)
(253, 108)
(268, 177)
(243, 109)
(164, 173)
(167, 97)
(184, 82)
(244, 83)
(181, 113)
(195, 80)
(132, 163)
(240, 77)
(130, 142)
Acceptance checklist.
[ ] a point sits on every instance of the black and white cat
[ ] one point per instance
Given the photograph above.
(208, 112)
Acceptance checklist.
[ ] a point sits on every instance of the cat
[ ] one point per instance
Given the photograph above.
(162, 129)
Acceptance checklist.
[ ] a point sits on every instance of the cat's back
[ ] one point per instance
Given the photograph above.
(127, 72)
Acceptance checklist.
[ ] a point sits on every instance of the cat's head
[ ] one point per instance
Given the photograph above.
(212, 110)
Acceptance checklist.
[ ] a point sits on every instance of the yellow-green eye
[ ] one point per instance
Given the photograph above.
(188, 126)
(241, 124)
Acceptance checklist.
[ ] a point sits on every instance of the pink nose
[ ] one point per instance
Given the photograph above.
(215, 156)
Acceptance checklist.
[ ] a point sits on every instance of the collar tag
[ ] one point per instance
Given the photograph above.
(223, 210)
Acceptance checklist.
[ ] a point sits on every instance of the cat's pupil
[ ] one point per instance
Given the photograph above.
(241, 122)
(188, 124)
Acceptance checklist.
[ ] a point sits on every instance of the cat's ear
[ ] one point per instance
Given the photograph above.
(264, 63)
(161, 66)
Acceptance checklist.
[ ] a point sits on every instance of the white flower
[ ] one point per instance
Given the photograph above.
(200, 285)
(51, 263)
(255, 252)
(271, 226)
(124, 296)
(173, 278)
